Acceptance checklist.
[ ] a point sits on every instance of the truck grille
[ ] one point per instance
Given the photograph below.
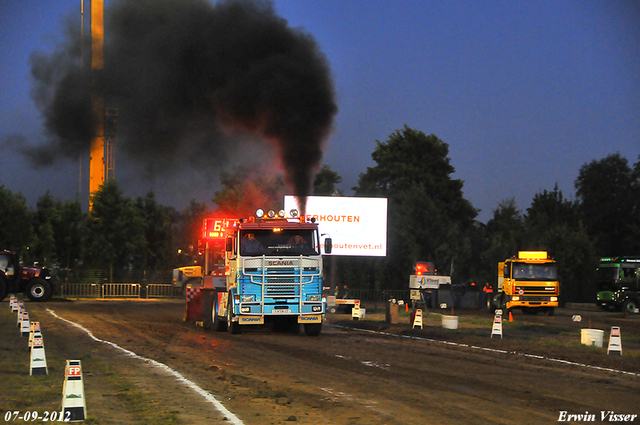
(535, 290)
(281, 280)
(535, 298)
(282, 290)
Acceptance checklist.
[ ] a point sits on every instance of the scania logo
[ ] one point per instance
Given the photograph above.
(280, 263)
(309, 319)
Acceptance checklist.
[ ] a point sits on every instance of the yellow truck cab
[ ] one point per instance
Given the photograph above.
(528, 281)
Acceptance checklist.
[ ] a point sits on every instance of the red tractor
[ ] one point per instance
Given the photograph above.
(32, 280)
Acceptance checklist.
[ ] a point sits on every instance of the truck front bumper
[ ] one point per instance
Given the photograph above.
(532, 301)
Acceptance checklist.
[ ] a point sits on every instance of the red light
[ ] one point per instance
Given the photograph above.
(421, 269)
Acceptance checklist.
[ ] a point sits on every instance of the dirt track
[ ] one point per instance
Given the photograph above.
(343, 376)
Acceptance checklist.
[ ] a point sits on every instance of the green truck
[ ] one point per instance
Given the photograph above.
(618, 283)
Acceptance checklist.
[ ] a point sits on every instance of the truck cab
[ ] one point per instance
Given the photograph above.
(274, 273)
(528, 281)
(618, 283)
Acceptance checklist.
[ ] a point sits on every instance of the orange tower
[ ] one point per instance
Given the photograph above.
(96, 155)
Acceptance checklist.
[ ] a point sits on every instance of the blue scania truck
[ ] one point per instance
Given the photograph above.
(272, 274)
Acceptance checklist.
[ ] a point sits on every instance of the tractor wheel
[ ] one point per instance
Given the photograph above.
(39, 290)
(3, 288)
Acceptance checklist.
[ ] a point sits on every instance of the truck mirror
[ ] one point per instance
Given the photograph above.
(327, 245)
(228, 244)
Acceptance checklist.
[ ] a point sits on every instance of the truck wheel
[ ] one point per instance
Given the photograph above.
(232, 327)
(332, 310)
(217, 324)
(3, 289)
(312, 329)
(39, 290)
(503, 306)
(629, 306)
(490, 307)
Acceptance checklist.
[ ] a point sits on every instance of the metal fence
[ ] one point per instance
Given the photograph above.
(118, 290)
(121, 290)
(156, 290)
(84, 290)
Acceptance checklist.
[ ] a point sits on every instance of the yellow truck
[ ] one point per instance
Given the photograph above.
(187, 276)
(528, 281)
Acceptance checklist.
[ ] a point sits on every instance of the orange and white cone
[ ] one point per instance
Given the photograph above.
(38, 363)
(496, 331)
(355, 311)
(19, 321)
(25, 327)
(34, 327)
(417, 320)
(74, 405)
(615, 342)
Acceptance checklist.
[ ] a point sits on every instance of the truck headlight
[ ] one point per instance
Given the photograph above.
(516, 298)
(248, 298)
(245, 309)
(553, 299)
(316, 308)
(315, 298)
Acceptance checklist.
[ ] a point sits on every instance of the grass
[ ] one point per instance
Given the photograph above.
(20, 391)
(43, 393)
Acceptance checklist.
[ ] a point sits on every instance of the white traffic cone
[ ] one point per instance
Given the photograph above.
(355, 311)
(35, 327)
(12, 301)
(417, 320)
(615, 342)
(497, 326)
(16, 305)
(73, 400)
(25, 328)
(19, 321)
(38, 363)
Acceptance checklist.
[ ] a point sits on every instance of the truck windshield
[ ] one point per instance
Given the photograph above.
(524, 271)
(607, 274)
(283, 242)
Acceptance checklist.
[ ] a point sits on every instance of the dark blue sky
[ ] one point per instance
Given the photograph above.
(524, 93)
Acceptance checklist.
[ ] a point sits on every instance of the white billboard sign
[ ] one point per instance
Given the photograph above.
(356, 226)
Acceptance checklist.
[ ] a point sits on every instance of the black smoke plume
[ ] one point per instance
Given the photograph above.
(188, 77)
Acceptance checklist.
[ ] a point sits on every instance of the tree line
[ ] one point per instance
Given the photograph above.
(428, 220)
